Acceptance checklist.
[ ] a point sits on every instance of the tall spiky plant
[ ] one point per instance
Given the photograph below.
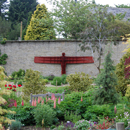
(106, 80)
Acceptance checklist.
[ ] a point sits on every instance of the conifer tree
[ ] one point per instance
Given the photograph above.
(106, 80)
(41, 25)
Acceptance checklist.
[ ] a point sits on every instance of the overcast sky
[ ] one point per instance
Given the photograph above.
(103, 2)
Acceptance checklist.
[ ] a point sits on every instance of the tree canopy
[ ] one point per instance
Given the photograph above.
(70, 17)
(41, 25)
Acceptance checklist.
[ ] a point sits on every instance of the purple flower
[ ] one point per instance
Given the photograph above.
(70, 124)
(95, 122)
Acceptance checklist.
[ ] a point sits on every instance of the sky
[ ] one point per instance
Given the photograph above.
(103, 2)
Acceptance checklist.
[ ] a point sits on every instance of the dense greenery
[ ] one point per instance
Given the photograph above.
(3, 111)
(19, 10)
(33, 84)
(107, 81)
(70, 17)
(122, 81)
(41, 25)
(3, 59)
(79, 81)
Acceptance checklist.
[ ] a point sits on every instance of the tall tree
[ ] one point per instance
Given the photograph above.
(5, 27)
(107, 81)
(70, 17)
(3, 6)
(41, 25)
(101, 27)
(19, 10)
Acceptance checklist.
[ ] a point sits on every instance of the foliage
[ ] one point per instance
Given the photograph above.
(14, 32)
(3, 7)
(18, 74)
(82, 125)
(104, 123)
(63, 79)
(44, 112)
(3, 119)
(50, 77)
(107, 81)
(95, 111)
(56, 81)
(23, 114)
(41, 25)
(2, 77)
(128, 93)
(15, 125)
(3, 41)
(70, 17)
(79, 81)
(33, 84)
(5, 27)
(122, 6)
(73, 102)
(3, 59)
(123, 115)
(100, 30)
(72, 116)
(120, 73)
(55, 89)
(19, 10)
(46, 81)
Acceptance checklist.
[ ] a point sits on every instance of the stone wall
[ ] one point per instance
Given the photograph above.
(21, 56)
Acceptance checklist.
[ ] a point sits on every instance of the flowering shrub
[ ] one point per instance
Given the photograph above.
(83, 124)
(105, 125)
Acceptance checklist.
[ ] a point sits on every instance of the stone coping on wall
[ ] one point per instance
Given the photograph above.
(57, 40)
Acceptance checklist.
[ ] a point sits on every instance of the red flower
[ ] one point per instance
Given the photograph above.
(5, 85)
(19, 85)
(14, 86)
(7, 88)
(22, 103)
(10, 85)
(81, 99)
(15, 103)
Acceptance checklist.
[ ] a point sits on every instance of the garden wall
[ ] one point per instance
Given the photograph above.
(21, 56)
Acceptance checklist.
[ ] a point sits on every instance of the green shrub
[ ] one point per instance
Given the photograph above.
(23, 114)
(95, 111)
(72, 116)
(56, 81)
(79, 81)
(32, 84)
(50, 77)
(18, 74)
(46, 80)
(15, 125)
(73, 102)
(63, 79)
(82, 125)
(44, 112)
(122, 81)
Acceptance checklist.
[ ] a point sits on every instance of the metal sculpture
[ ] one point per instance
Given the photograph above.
(63, 60)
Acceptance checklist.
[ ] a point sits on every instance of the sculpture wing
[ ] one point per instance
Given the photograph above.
(76, 59)
(54, 60)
